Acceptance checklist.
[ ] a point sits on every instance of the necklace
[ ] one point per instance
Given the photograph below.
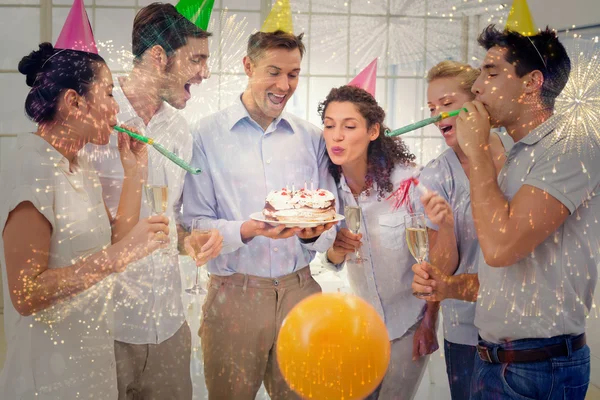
(366, 189)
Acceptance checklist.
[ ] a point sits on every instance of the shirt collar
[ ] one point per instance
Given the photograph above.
(343, 185)
(55, 158)
(542, 130)
(128, 113)
(238, 112)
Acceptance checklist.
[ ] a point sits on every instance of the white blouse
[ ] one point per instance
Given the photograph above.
(65, 351)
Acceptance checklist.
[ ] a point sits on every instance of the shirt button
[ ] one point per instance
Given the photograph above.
(275, 249)
(269, 161)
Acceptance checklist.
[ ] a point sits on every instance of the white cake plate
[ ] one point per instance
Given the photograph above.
(258, 216)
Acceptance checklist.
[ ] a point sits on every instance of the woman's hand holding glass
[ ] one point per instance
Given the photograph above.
(345, 243)
(353, 220)
(429, 283)
(141, 241)
(417, 239)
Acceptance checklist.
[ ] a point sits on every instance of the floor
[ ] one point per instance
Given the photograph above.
(433, 386)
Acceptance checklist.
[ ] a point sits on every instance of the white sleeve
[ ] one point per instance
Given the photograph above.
(321, 261)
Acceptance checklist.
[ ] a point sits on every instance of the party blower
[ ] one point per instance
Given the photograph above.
(161, 150)
(425, 122)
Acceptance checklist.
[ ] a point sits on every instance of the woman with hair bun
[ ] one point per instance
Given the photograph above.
(59, 249)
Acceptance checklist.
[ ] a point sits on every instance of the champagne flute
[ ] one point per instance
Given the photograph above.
(353, 216)
(157, 195)
(417, 240)
(199, 238)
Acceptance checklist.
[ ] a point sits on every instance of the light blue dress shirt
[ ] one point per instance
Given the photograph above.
(241, 163)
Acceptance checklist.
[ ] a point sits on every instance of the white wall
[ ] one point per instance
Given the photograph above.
(561, 14)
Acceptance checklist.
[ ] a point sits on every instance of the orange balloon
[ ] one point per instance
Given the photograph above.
(333, 346)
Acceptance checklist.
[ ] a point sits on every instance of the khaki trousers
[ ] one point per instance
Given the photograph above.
(155, 371)
(242, 315)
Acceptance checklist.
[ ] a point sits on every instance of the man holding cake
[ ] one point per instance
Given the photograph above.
(248, 153)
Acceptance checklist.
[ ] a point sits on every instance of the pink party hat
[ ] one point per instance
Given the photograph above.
(77, 32)
(367, 78)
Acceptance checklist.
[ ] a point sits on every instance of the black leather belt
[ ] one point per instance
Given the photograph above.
(531, 355)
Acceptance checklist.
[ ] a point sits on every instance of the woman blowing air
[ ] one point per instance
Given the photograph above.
(59, 248)
(369, 168)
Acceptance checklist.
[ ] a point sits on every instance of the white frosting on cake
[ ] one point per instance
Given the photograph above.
(315, 198)
(280, 199)
(303, 204)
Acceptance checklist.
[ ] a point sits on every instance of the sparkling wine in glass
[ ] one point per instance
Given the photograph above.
(417, 240)
(352, 216)
(157, 198)
(156, 191)
(199, 238)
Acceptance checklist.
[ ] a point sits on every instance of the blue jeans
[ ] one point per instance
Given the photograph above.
(558, 378)
(460, 359)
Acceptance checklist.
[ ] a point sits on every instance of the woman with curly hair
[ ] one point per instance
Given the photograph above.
(369, 168)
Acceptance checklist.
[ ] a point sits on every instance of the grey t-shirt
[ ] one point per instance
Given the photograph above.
(446, 176)
(549, 292)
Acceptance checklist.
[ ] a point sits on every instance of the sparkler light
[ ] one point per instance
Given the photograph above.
(579, 102)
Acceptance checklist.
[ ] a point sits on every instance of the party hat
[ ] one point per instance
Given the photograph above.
(367, 78)
(519, 19)
(197, 11)
(77, 32)
(280, 18)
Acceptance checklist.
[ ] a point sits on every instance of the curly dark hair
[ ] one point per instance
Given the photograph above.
(384, 152)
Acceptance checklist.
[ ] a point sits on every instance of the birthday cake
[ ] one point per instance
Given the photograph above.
(300, 205)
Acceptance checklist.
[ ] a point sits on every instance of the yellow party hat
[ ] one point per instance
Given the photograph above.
(280, 18)
(519, 19)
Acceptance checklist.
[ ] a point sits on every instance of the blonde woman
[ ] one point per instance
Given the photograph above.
(455, 247)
